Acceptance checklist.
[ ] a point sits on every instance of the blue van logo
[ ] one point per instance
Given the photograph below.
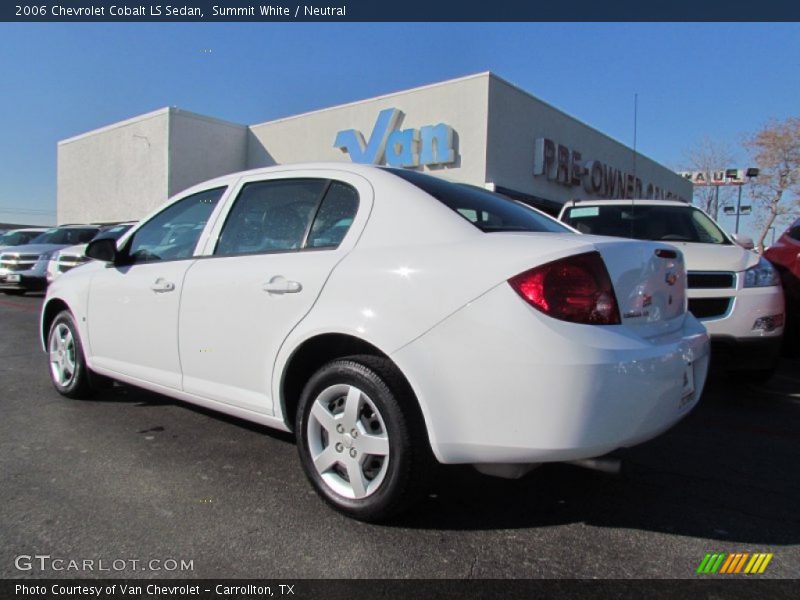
(430, 145)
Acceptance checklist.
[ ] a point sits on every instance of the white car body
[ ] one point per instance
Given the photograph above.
(498, 382)
(717, 278)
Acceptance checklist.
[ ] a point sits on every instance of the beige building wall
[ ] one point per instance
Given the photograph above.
(126, 170)
(202, 148)
(517, 120)
(123, 171)
(117, 173)
(460, 103)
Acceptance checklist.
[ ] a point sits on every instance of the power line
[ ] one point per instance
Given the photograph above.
(27, 211)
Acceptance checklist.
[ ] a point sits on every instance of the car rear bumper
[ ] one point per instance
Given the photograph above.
(520, 387)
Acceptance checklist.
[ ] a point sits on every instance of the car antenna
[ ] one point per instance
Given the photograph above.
(635, 124)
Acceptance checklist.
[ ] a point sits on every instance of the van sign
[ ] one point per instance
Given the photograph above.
(429, 145)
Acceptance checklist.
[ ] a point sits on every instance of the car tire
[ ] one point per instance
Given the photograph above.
(362, 440)
(68, 371)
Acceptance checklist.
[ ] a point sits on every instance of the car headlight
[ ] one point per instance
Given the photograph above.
(761, 275)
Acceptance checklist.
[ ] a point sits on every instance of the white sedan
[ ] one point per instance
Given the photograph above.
(391, 320)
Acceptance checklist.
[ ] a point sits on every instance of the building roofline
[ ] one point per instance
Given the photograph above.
(167, 110)
(375, 98)
(517, 88)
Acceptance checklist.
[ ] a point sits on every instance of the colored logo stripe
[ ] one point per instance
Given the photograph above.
(738, 562)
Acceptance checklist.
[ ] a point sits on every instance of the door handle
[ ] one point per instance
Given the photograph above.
(161, 285)
(280, 285)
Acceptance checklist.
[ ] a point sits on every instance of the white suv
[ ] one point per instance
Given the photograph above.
(734, 292)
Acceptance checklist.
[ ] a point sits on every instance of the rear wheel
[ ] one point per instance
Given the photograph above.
(361, 440)
(68, 370)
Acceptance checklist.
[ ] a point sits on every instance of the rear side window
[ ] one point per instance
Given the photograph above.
(334, 217)
(270, 216)
(486, 210)
(283, 215)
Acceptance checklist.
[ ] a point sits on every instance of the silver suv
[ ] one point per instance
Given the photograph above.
(24, 268)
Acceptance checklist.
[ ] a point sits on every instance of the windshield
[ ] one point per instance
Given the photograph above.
(646, 222)
(66, 236)
(17, 238)
(486, 210)
(112, 233)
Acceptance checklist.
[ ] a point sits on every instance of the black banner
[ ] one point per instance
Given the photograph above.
(408, 10)
(365, 589)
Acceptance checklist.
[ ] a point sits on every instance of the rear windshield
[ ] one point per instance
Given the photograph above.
(66, 237)
(486, 210)
(646, 222)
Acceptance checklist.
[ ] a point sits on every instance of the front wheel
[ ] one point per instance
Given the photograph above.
(361, 439)
(68, 370)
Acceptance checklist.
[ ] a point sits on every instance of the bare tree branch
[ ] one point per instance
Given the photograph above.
(776, 191)
(710, 155)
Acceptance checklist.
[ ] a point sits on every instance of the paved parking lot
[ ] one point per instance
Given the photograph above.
(133, 475)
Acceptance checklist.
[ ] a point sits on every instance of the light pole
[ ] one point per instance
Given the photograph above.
(750, 173)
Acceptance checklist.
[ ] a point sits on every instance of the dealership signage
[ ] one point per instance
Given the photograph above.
(429, 145)
(566, 166)
(719, 177)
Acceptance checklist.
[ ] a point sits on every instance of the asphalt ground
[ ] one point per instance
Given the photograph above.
(131, 475)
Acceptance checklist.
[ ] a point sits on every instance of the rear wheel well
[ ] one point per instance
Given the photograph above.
(320, 350)
(51, 311)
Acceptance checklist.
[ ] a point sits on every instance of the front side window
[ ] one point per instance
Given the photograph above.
(173, 233)
(646, 222)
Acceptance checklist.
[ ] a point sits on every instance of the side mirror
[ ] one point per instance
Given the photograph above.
(744, 241)
(104, 250)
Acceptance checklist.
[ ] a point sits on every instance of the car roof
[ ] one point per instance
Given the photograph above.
(625, 202)
(28, 229)
(347, 167)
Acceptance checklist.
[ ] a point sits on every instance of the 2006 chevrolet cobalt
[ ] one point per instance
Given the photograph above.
(390, 319)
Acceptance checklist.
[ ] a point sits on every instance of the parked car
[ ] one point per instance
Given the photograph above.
(785, 255)
(732, 290)
(391, 320)
(72, 256)
(17, 237)
(24, 268)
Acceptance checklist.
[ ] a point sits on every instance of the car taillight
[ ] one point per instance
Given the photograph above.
(576, 289)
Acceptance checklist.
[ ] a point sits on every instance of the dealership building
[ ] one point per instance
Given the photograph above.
(478, 129)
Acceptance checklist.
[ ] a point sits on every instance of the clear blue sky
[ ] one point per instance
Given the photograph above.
(59, 80)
